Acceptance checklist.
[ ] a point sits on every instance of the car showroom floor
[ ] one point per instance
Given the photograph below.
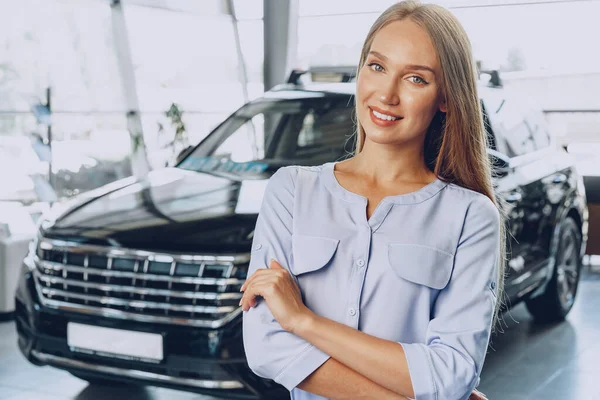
(527, 361)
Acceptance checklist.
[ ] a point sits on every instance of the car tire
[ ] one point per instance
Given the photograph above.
(94, 380)
(558, 298)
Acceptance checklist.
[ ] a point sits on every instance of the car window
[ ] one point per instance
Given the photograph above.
(323, 133)
(536, 122)
(518, 140)
(307, 131)
(519, 128)
(247, 143)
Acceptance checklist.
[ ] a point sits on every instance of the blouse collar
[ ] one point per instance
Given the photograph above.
(329, 179)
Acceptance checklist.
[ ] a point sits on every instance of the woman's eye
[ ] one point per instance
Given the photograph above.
(420, 81)
(376, 67)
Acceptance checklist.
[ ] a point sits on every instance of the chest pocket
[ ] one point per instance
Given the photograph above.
(419, 264)
(311, 253)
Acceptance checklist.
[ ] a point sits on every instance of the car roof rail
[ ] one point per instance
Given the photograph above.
(339, 73)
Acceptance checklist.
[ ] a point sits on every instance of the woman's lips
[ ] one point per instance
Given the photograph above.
(382, 122)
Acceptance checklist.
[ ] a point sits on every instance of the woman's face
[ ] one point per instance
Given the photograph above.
(401, 80)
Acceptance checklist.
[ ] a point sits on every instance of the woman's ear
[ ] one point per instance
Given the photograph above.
(443, 105)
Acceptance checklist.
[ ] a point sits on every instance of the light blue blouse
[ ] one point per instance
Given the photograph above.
(421, 271)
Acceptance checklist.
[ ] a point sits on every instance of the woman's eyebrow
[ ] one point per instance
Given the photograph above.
(412, 67)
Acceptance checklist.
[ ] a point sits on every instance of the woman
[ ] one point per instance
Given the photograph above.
(379, 276)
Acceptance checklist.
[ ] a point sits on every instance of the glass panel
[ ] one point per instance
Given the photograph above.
(512, 134)
(248, 9)
(246, 144)
(518, 140)
(346, 23)
(329, 7)
(521, 48)
(69, 46)
(345, 36)
(539, 131)
(323, 131)
(251, 40)
(191, 60)
(64, 44)
(88, 152)
(158, 144)
(307, 131)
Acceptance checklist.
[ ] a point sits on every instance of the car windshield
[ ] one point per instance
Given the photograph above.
(270, 133)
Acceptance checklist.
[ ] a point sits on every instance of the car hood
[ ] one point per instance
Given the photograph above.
(171, 210)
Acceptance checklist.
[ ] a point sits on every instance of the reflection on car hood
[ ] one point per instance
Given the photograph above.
(171, 210)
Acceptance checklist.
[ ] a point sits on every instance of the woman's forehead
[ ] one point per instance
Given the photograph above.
(404, 42)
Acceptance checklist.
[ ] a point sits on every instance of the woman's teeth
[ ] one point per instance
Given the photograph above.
(384, 116)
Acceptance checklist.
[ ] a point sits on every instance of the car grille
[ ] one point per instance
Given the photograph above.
(198, 290)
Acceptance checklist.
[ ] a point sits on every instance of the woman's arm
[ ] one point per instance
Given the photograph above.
(380, 361)
(336, 381)
(271, 351)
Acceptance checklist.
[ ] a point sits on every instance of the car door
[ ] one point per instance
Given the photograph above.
(556, 181)
(523, 189)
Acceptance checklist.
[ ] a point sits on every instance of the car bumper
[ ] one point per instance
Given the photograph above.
(206, 361)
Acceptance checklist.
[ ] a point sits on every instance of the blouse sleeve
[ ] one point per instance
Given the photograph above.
(448, 364)
(271, 351)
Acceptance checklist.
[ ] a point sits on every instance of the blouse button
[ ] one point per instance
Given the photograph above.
(360, 262)
(492, 285)
(258, 247)
(352, 311)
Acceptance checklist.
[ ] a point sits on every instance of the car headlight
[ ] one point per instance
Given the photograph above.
(29, 260)
(52, 213)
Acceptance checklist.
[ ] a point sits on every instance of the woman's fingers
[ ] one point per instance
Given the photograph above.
(249, 279)
(264, 281)
(263, 288)
(257, 287)
(274, 267)
(477, 395)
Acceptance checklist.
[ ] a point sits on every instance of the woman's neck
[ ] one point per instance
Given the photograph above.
(379, 163)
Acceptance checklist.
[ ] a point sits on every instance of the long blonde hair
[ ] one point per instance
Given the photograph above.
(456, 141)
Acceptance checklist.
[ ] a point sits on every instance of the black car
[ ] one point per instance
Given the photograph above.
(139, 281)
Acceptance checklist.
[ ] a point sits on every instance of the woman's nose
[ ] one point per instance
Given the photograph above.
(389, 96)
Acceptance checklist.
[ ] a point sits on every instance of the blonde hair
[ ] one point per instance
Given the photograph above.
(456, 141)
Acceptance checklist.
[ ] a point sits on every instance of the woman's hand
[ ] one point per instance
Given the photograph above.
(277, 287)
(477, 395)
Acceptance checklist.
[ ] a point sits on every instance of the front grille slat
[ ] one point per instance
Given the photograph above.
(146, 291)
(182, 289)
(142, 276)
(137, 304)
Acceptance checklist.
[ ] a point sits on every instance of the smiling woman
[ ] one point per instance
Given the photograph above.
(379, 277)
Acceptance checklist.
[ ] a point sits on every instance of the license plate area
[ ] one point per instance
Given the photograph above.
(115, 343)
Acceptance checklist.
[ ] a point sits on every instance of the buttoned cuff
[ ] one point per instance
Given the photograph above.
(419, 367)
(304, 364)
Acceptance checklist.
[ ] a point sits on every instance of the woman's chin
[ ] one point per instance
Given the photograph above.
(383, 137)
(390, 139)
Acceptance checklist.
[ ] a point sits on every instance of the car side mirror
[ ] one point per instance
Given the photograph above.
(500, 163)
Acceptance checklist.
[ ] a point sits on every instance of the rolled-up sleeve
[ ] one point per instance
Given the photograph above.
(271, 351)
(448, 364)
